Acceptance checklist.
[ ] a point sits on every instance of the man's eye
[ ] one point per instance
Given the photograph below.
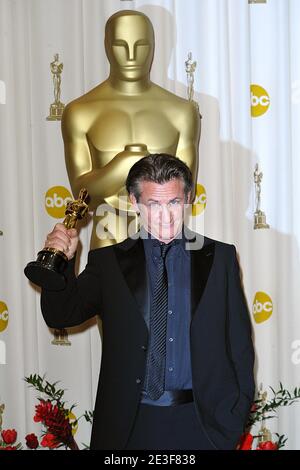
(174, 203)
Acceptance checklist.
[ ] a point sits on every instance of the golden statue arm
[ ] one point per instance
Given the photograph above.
(188, 144)
(104, 182)
(101, 182)
(189, 155)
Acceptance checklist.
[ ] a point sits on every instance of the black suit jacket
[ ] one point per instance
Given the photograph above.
(114, 286)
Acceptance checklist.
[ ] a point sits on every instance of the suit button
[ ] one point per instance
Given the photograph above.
(144, 348)
(138, 381)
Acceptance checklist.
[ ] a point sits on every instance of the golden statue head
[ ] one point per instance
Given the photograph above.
(129, 45)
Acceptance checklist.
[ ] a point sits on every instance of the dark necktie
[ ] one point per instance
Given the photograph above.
(155, 379)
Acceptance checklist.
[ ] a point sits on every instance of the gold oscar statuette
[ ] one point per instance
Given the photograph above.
(264, 434)
(56, 108)
(190, 68)
(259, 216)
(48, 270)
(120, 121)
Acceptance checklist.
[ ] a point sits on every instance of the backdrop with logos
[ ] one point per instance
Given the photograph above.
(247, 86)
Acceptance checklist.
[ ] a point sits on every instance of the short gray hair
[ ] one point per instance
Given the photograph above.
(158, 168)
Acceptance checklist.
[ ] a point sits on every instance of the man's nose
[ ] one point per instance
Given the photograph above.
(166, 214)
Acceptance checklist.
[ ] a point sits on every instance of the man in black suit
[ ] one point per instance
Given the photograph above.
(177, 360)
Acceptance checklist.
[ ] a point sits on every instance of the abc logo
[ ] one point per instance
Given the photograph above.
(3, 316)
(200, 200)
(262, 307)
(260, 100)
(56, 199)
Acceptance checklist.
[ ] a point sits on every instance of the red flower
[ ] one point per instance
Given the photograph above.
(59, 425)
(49, 441)
(267, 445)
(9, 436)
(246, 441)
(8, 448)
(32, 441)
(56, 421)
(42, 410)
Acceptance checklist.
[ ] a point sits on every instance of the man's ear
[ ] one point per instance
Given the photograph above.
(134, 202)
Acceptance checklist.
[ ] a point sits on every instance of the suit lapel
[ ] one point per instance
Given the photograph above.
(201, 264)
(131, 258)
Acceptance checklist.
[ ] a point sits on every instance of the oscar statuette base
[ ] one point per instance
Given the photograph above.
(47, 271)
(260, 220)
(61, 338)
(56, 112)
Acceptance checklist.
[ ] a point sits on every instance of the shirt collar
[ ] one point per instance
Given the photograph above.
(153, 242)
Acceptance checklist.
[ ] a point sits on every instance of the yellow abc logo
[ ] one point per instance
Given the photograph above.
(56, 199)
(262, 307)
(3, 316)
(260, 100)
(200, 200)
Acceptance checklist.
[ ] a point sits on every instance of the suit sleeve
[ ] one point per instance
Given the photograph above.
(80, 300)
(240, 338)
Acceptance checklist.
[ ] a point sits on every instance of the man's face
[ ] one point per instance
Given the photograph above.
(129, 46)
(161, 208)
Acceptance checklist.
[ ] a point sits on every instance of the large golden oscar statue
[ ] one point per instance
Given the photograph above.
(121, 120)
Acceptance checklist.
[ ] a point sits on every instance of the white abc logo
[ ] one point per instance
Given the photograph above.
(259, 307)
(4, 315)
(260, 100)
(263, 100)
(57, 201)
(201, 199)
(199, 204)
(262, 307)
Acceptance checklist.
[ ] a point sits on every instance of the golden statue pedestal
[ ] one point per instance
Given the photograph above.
(260, 220)
(56, 111)
(61, 338)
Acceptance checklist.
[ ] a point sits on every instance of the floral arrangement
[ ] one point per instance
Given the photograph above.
(59, 427)
(262, 410)
(51, 411)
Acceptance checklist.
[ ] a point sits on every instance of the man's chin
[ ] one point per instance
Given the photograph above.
(164, 235)
(167, 235)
